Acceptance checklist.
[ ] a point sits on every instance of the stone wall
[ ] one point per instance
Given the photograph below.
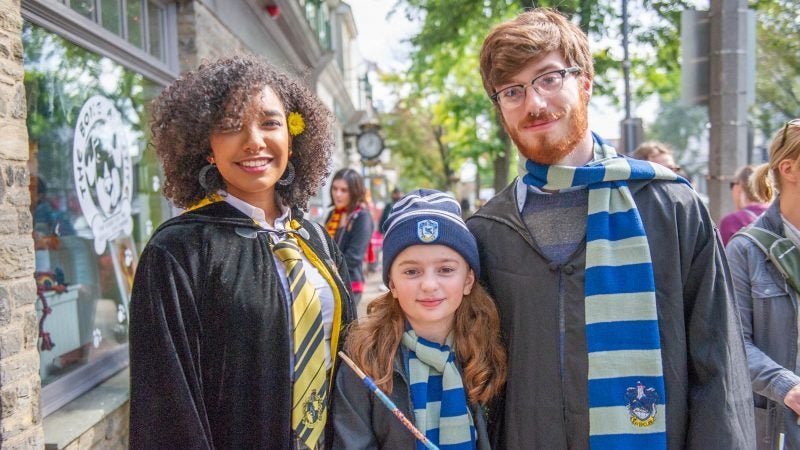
(20, 387)
(201, 36)
(111, 433)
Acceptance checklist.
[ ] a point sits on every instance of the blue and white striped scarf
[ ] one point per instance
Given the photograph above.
(626, 381)
(437, 394)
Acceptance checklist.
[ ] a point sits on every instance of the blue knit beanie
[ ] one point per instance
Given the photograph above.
(427, 216)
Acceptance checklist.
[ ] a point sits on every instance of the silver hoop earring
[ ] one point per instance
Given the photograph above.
(201, 176)
(288, 175)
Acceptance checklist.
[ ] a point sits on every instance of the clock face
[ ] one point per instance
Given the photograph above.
(369, 144)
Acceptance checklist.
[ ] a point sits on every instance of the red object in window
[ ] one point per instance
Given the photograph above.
(274, 11)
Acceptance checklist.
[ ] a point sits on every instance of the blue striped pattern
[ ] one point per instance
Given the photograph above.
(607, 390)
(437, 395)
(619, 279)
(624, 349)
(629, 441)
(634, 335)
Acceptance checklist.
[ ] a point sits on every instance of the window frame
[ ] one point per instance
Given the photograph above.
(69, 24)
(59, 19)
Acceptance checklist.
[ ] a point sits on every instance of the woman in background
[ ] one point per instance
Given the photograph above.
(350, 224)
(748, 207)
(768, 304)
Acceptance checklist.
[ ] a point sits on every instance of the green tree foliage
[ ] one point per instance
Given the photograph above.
(777, 76)
(778, 63)
(676, 125)
(444, 74)
(409, 131)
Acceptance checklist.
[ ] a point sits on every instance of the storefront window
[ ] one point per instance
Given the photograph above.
(155, 25)
(84, 8)
(144, 21)
(110, 11)
(134, 15)
(95, 200)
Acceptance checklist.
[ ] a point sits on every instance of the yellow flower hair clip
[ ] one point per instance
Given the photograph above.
(296, 123)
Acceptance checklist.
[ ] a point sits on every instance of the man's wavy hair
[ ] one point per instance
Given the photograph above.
(186, 112)
(374, 341)
(512, 44)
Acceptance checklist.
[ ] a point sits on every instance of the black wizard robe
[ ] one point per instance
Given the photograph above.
(210, 333)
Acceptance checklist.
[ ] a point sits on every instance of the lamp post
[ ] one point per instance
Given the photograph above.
(629, 124)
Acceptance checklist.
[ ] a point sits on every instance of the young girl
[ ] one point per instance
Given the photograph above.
(432, 343)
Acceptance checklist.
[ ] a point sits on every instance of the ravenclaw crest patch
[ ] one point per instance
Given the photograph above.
(642, 402)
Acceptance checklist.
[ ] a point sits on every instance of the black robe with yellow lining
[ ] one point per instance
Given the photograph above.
(209, 333)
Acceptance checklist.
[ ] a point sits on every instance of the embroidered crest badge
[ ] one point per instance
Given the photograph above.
(642, 402)
(313, 408)
(427, 230)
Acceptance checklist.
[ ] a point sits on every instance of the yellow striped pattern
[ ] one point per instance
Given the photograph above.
(310, 390)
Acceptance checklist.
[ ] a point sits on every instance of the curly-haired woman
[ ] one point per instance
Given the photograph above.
(350, 224)
(238, 304)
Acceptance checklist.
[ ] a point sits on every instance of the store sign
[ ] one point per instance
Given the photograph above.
(103, 171)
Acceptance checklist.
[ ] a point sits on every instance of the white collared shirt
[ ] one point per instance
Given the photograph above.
(312, 274)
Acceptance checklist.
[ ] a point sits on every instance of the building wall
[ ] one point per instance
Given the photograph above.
(20, 416)
(201, 36)
(111, 433)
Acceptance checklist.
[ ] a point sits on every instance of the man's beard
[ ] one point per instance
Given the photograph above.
(549, 149)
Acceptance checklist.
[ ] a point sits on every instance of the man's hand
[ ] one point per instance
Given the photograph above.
(792, 399)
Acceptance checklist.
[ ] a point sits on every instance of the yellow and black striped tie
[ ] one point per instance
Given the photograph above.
(310, 390)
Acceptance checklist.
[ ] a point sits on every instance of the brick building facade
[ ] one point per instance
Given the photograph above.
(39, 404)
(20, 415)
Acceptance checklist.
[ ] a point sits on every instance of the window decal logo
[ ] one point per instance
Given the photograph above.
(103, 171)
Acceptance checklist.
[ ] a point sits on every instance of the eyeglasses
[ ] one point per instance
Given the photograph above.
(734, 183)
(792, 122)
(545, 84)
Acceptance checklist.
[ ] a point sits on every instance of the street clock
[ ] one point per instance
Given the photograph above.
(369, 144)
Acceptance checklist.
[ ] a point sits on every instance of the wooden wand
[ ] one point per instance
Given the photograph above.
(388, 403)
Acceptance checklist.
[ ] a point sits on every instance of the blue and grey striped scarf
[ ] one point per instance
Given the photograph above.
(437, 394)
(626, 380)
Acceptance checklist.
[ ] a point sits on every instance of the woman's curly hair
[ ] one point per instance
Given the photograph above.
(186, 112)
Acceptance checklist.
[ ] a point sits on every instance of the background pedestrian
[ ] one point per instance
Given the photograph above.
(350, 224)
(748, 206)
(768, 303)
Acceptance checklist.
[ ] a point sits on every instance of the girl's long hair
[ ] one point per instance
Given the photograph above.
(373, 342)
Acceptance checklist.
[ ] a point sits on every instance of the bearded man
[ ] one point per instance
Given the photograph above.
(614, 295)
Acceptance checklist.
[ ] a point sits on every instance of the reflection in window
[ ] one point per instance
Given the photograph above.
(155, 26)
(95, 200)
(317, 15)
(140, 22)
(109, 9)
(134, 15)
(84, 8)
